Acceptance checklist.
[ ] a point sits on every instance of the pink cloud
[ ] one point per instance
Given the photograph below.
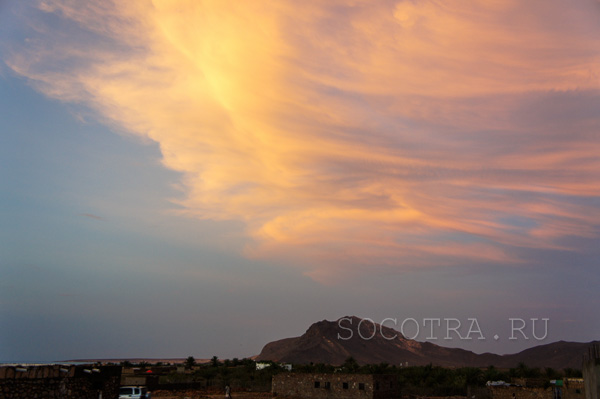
(352, 134)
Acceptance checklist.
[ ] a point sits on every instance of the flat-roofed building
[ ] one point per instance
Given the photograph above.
(336, 386)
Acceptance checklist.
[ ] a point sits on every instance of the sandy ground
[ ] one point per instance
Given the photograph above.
(199, 394)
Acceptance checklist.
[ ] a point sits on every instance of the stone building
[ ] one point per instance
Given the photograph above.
(520, 392)
(59, 381)
(569, 388)
(138, 376)
(335, 386)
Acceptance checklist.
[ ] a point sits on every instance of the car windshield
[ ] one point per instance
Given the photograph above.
(125, 391)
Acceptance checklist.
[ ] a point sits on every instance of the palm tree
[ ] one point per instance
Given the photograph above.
(190, 362)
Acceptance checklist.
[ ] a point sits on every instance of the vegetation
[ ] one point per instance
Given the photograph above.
(242, 374)
(441, 381)
(190, 362)
(238, 374)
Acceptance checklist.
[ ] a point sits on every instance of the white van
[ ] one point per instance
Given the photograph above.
(132, 392)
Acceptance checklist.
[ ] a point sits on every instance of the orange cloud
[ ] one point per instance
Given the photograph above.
(394, 133)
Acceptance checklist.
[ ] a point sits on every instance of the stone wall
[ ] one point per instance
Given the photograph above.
(506, 392)
(335, 386)
(476, 392)
(59, 382)
(571, 388)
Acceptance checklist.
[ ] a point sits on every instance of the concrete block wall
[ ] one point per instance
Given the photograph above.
(591, 378)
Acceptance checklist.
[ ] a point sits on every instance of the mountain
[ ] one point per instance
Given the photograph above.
(558, 355)
(332, 342)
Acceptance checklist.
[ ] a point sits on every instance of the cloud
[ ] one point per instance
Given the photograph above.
(92, 216)
(351, 134)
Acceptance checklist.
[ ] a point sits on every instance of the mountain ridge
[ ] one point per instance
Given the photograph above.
(330, 342)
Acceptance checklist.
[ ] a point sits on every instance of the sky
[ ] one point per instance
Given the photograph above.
(203, 177)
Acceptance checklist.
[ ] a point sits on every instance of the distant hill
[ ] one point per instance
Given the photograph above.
(135, 360)
(320, 344)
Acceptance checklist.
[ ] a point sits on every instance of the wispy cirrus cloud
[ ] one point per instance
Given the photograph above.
(351, 134)
(92, 216)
